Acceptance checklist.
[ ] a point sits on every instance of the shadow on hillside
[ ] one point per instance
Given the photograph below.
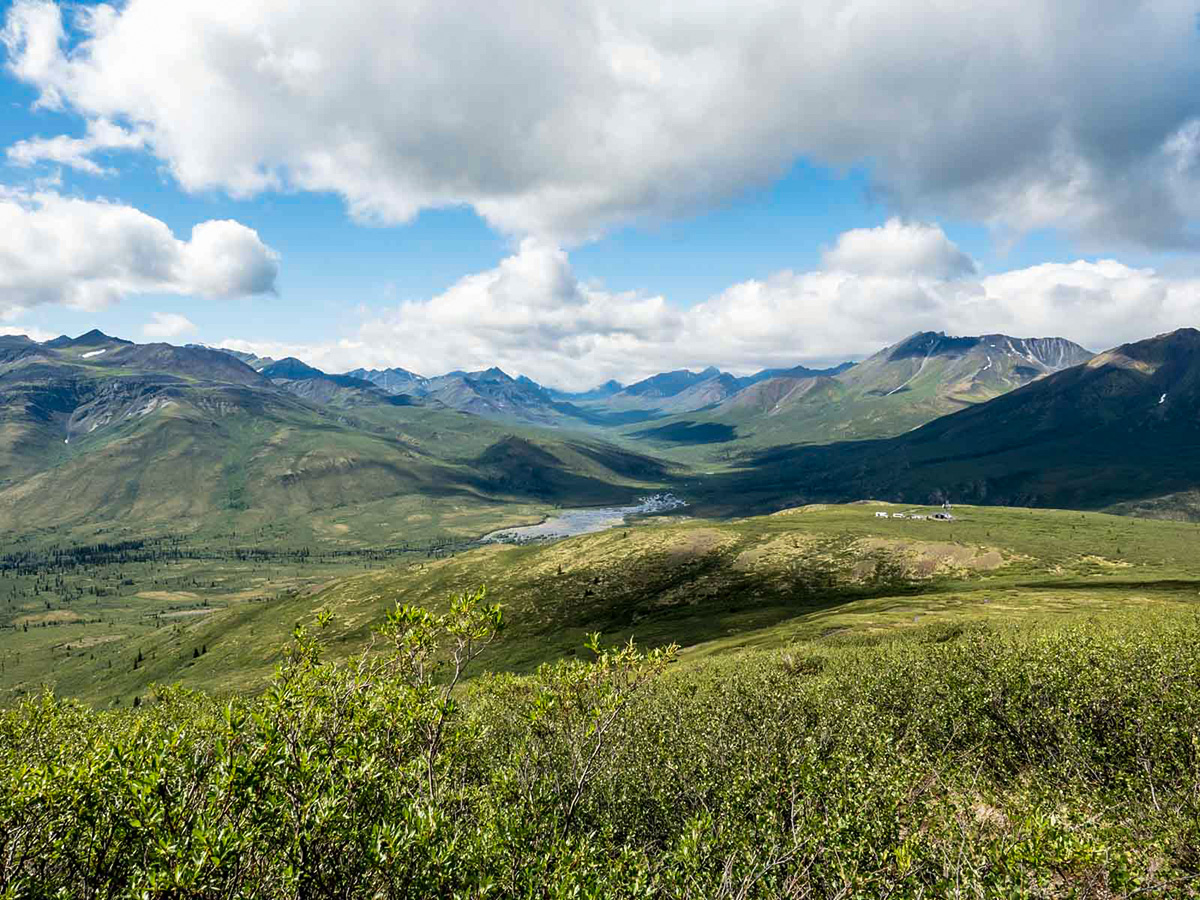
(690, 433)
(518, 467)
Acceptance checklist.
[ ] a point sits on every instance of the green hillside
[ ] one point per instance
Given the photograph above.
(1121, 431)
(106, 437)
(713, 587)
(1004, 706)
(904, 386)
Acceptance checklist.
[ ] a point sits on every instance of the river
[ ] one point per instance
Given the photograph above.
(570, 522)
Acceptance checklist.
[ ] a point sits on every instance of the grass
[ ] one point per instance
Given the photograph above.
(298, 473)
(964, 761)
(824, 574)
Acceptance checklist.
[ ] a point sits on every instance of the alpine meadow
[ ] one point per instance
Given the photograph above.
(599, 449)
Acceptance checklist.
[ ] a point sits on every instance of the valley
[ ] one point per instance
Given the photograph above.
(107, 624)
(243, 494)
(214, 556)
(920, 379)
(146, 439)
(1120, 431)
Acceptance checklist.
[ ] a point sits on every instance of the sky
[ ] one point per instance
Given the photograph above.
(594, 189)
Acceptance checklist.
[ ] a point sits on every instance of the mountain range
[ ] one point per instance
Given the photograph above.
(1120, 431)
(925, 376)
(96, 429)
(902, 386)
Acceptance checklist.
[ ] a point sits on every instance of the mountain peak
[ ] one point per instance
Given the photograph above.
(1149, 354)
(397, 370)
(495, 373)
(291, 368)
(91, 338)
(930, 343)
(1179, 339)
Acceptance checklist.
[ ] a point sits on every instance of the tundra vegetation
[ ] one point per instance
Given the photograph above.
(956, 760)
(1003, 706)
(77, 623)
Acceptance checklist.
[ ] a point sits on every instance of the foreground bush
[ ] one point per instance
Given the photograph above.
(1058, 765)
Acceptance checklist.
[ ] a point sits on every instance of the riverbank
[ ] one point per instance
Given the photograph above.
(585, 520)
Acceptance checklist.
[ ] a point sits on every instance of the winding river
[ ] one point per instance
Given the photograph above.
(570, 522)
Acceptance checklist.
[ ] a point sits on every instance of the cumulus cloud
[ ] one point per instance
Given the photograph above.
(531, 314)
(87, 254)
(332, 356)
(566, 117)
(224, 258)
(898, 248)
(167, 325)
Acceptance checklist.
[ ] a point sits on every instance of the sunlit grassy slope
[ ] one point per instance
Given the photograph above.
(211, 465)
(101, 439)
(823, 574)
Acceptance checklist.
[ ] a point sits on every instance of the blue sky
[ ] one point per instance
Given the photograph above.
(434, 240)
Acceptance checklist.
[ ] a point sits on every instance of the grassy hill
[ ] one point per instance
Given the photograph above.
(1054, 763)
(104, 436)
(1121, 431)
(1001, 706)
(813, 574)
(924, 377)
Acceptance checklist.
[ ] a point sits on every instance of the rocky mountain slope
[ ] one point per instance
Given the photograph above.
(684, 391)
(921, 378)
(495, 394)
(394, 380)
(1122, 428)
(319, 387)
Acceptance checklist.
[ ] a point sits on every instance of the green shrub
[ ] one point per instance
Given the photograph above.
(975, 764)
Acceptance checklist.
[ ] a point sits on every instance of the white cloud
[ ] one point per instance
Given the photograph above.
(332, 356)
(531, 315)
(898, 248)
(87, 254)
(565, 117)
(77, 152)
(224, 258)
(167, 325)
(34, 334)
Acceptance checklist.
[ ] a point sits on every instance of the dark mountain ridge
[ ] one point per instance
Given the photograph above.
(492, 392)
(93, 338)
(1123, 427)
(312, 384)
(394, 380)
